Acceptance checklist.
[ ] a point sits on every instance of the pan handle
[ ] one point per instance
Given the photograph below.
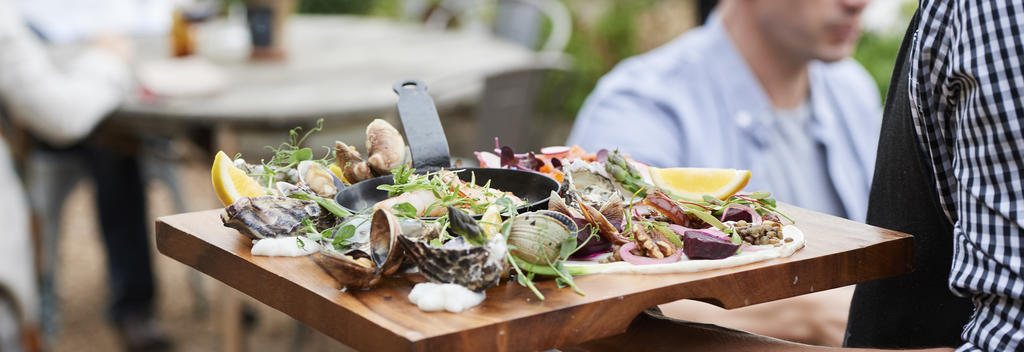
(422, 126)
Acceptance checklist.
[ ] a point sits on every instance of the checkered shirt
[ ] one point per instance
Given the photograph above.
(967, 100)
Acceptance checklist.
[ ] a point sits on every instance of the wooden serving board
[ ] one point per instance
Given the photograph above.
(838, 253)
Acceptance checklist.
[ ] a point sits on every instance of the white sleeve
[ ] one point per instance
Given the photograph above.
(59, 107)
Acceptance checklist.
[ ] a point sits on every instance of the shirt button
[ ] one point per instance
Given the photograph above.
(744, 119)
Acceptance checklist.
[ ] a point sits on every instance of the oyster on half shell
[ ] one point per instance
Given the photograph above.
(269, 216)
(591, 183)
(588, 194)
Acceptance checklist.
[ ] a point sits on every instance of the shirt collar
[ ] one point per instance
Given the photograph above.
(747, 103)
(749, 106)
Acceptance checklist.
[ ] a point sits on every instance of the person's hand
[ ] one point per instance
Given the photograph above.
(117, 45)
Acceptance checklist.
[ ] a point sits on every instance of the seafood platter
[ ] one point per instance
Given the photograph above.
(553, 215)
(392, 246)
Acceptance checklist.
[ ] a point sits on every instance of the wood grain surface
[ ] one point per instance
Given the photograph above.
(839, 252)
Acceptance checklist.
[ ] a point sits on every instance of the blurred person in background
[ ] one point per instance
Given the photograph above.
(950, 165)
(765, 85)
(60, 108)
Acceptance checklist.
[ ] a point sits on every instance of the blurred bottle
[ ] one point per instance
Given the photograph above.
(267, 20)
(183, 32)
(183, 35)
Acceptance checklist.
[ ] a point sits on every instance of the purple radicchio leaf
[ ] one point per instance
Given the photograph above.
(530, 162)
(508, 157)
(556, 163)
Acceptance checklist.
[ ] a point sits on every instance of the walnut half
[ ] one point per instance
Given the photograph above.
(652, 243)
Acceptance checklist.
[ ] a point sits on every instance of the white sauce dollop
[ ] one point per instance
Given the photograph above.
(284, 247)
(431, 297)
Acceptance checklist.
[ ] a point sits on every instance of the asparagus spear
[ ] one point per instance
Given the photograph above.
(625, 173)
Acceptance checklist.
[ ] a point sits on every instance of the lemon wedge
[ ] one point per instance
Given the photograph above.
(231, 183)
(337, 172)
(491, 221)
(694, 183)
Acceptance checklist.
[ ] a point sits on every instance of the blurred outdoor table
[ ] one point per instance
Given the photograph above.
(337, 67)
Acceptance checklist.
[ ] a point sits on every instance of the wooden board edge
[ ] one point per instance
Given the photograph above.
(184, 248)
(626, 312)
(506, 332)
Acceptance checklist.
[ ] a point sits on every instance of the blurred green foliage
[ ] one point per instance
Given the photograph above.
(351, 7)
(335, 6)
(876, 50)
(877, 53)
(597, 49)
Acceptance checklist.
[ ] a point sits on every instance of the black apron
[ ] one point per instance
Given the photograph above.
(914, 310)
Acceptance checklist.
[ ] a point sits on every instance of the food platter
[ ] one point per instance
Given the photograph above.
(402, 250)
(838, 252)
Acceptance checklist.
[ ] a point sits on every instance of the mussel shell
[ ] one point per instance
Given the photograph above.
(604, 227)
(613, 211)
(537, 237)
(476, 268)
(557, 204)
(269, 216)
(345, 271)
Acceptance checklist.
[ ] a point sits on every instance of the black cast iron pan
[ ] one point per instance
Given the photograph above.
(429, 148)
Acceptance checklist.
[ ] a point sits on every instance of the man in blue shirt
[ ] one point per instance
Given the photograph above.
(765, 86)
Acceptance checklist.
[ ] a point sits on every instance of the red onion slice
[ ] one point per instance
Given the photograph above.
(555, 151)
(640, 260)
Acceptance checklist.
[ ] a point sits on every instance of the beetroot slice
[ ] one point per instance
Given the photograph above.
(699, 245)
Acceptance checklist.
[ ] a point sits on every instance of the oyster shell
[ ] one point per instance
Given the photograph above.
(592, 184)
(363, 269)
(457, 262)
(269, 216)
(476, 267)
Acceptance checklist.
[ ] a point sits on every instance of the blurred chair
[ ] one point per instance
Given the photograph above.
(509, 98)
(50, 177)
(516, 20)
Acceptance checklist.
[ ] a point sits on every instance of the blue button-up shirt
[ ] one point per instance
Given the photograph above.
(695, 102)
